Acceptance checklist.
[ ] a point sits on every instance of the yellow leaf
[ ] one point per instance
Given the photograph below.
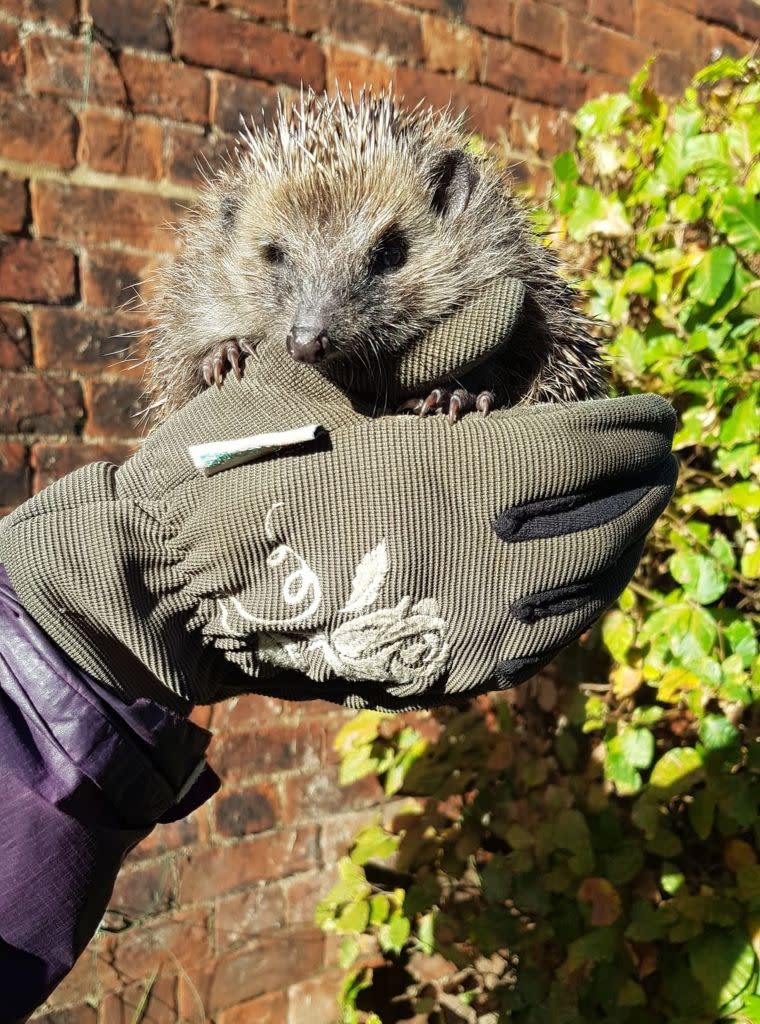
(604, 900)
(738, 854)
(625, 681)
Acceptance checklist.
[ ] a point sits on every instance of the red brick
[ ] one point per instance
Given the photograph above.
(252, 709)
(605, 50)
(59, 12)
(270, 963)
(246, 915)
(303, 892)
(111, 278)
(220, 40)
(269, 1009)
(232, 96)
(67, 67)
(727, 42)
(742, 15)
(616, 13)
(144, 890)
(165, 88)
(599, 82)
(147, 1002)
(379, 27)
(308, 799)
(36, 271)
(14, 473)
(274, 10)
(308, 16)
(114, 407)
(15, 342)
(339, 830)
(249, 809)
(269, 748)
(545, 130)
(97, 216)
(11, 57)
(78, 339)
(495, 16)
(451, 47)
(39, 131)
(573, 6)
(532, 76)
(487, 110)
(665, 27)
(143, 24)
(79, 984)
(13, 204)
(51, 462)
(121, 145)
(350, 69)
(71, 1015)
(672, 72)
(191, 153)
(212, 871)
(173, 836)
(540, 26)
(137, 952)
(31, 404)
(315, 999)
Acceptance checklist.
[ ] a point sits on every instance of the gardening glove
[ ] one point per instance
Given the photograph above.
(391, 562)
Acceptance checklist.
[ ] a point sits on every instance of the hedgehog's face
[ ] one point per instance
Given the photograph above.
(354, 265)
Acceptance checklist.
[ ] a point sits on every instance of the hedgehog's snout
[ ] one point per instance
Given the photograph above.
(307, 344)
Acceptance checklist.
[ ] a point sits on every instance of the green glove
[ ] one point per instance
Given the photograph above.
(391, 562)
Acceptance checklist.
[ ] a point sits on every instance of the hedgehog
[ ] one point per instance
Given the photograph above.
(345, 230)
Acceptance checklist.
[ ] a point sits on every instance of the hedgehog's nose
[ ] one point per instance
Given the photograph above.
(307, 345)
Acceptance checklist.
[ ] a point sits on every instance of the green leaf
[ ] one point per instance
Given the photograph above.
(702, 577)
(739, 219)
(392, 936)
(749, 1013)
(637, 745)
(712, 274)
(722, 961)
(717, 733)
(379, 908)
(354, 917)
(677, 771)
(596, 214)
(603, 115)
(348, 951)
(702, 812)
(618, 633)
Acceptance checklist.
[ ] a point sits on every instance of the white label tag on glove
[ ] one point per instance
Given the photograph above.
(214, 456)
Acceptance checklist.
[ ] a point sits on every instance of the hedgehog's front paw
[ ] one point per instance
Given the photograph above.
(222, 357)
(453, 403)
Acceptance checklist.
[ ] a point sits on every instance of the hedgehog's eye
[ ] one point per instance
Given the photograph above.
(273, 253)
(389, 253)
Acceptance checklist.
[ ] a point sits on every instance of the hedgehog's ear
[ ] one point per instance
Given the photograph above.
(453, 177)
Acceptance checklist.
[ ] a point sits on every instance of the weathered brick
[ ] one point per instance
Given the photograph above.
(249, 809)
(540, 26)
(246, 915)
(487, 110)
(268, 1009)
(165, 88)
(58, 12)
(616, 13)
(32, 270)
(495, 16)
(310, 798)
(173, 836)
(149, 1002)
(573, 6)
(379, 27)
(15, 340)
(31, 404)
(232, 96)
(727, 42)
(269, 963)
(308, 15)
(212, 871)
(268, 748)
(191, 152)
(315, 999)
(348, 68)
(275, 10)
(220, 40)
(338, 830)
(143, 24)
(604, 49)
(532, 76)
(144, 890)
(545, 130)
(303, 892)
(599, 82)
(114, 407)
(97, 216)
(52, 461)
(451, 47)
(13, 204)
(39, 131)
(667, 28)
(111, 278)
(78, 339)
(121, 145)
(742, 15)
(69, 68)
(71, 1015)
(672, 72)
(130, 955)
(11, 58)
(14, 473)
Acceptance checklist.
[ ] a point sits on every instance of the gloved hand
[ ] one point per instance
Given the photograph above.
(393, 563)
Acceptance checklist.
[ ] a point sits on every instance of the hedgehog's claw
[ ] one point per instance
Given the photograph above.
(223, 357)
(485, 402)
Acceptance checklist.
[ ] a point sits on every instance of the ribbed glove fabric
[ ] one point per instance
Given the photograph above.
(392, 563)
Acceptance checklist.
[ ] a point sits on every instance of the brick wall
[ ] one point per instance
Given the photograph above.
(105, 105)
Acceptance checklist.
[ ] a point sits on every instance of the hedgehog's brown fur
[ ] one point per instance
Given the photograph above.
(323, 184)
